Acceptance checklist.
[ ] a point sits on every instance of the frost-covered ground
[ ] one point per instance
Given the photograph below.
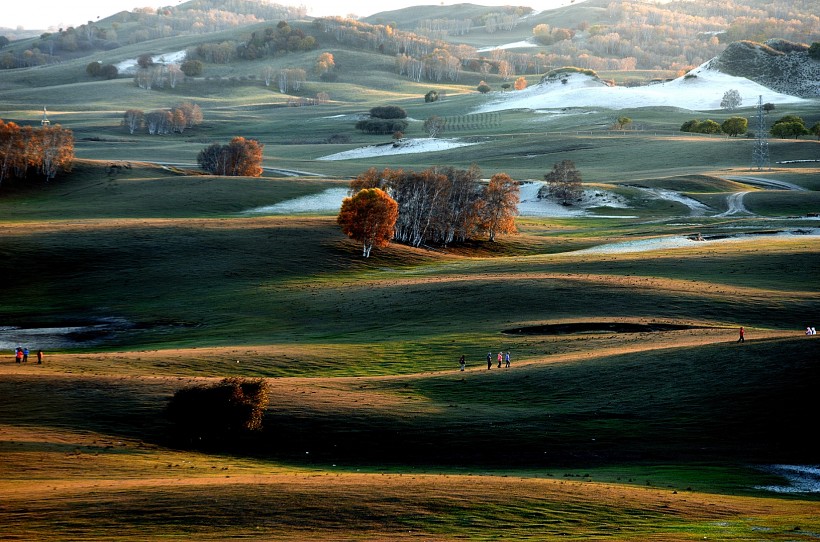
(404, 146)
(800, 478)
(329, 200)
(660, 243)
(129, 67)
(703, 92)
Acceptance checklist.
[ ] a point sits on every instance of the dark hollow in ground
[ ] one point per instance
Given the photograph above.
(597, 327)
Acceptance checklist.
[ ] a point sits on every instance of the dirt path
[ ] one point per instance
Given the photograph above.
(734, 204)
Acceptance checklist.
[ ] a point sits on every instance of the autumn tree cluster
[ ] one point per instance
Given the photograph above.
(25, 150)
(270, 41)
(241, 157)
(442, 205)
(163, 121)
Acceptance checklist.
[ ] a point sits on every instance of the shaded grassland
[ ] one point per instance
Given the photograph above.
(372, 433)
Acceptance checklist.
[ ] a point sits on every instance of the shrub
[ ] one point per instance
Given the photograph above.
(191, 68)
(381, 126)
(483, 88)
(431, 96)
(388, 112)
(228, 408)
(93, 69)
(109, 71)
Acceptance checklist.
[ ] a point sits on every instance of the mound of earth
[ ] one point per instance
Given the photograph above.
(597, 327)
(776, 64)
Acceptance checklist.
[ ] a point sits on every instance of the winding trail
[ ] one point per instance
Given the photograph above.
(766, 183)
(734, 202)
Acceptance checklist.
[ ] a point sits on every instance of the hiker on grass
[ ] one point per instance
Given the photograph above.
(39, 357)
(18, 355)
(741, 338)
(25, 355)
(507, 359)
(489, 360)
(500, 358)
(462, 362)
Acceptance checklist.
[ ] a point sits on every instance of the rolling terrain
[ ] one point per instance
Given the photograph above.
(630, 411)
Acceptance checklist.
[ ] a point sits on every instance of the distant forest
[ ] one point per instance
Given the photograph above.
(608, 35)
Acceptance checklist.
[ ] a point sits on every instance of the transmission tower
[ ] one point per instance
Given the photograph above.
(760, 156)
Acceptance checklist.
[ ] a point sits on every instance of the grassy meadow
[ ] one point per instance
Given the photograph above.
(372, 432)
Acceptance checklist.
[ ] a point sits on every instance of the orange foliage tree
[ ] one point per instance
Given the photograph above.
(370, 217)
(520, 83)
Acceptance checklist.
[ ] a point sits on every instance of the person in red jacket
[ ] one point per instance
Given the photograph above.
(742, 333)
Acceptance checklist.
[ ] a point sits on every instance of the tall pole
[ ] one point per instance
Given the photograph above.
(760, 155)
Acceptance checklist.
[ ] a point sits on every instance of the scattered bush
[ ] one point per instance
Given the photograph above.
(431, 96)
(483, 88)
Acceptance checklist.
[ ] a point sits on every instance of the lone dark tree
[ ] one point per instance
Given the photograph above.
(221, 411)
(564, 182)
(370, 218)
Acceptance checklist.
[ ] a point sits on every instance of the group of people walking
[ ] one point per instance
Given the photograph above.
(502, 358)
(21, 355)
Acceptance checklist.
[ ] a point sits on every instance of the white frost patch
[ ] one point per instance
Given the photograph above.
(405, 146)
(129, 67)
(800, 478)
(531, 205)
(640, 245)
(329, 200)
(703, 92)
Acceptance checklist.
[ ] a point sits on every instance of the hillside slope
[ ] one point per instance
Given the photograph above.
(782, 66)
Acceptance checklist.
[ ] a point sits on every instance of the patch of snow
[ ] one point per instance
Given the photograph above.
(514, 45)
(129, 67)
(703, 92)
(531, 205)
(329, 200)
(405, 146)
(800, 478)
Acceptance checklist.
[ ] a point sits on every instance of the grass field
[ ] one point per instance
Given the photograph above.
(622, 429)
